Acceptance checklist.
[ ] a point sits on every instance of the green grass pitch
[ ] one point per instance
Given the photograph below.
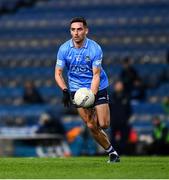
(84, 168)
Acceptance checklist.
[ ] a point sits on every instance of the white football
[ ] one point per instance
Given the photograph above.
(84, 97)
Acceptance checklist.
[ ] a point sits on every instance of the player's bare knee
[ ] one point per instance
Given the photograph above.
(90, 126)
(86, 118)
(104, 125)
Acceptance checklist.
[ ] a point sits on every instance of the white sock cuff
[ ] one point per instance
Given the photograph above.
(109, 149)
(114, 152)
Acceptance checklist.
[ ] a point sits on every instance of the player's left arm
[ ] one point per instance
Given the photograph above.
(95, 80)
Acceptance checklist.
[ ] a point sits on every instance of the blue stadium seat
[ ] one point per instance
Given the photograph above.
(147, 108)
(30, 38)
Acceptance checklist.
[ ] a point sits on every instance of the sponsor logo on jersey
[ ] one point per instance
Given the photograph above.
(82, 68)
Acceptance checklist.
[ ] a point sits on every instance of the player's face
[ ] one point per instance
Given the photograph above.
(78, 32)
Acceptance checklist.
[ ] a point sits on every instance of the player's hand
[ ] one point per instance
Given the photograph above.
(66, 98)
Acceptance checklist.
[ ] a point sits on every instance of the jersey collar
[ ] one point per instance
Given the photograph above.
(85, 44)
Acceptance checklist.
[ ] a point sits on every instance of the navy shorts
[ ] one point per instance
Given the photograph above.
(102, 97)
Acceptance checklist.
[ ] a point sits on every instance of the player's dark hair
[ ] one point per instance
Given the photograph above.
(79, 19)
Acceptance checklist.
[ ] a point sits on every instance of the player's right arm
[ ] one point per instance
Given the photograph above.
(60, 63)
(59, 78)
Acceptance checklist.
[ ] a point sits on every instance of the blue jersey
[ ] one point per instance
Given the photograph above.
(79, 62)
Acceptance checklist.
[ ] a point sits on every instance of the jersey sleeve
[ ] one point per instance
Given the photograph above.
(60, 62)
(97, 60)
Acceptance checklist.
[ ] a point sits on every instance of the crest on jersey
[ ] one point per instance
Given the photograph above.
(87, 58)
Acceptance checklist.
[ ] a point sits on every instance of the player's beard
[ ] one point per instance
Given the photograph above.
(79, 41)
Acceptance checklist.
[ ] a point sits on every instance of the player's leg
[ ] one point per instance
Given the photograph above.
(90, 118)
(103, 118)
(103, 115)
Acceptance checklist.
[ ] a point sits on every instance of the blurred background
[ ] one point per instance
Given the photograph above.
(134, 35)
